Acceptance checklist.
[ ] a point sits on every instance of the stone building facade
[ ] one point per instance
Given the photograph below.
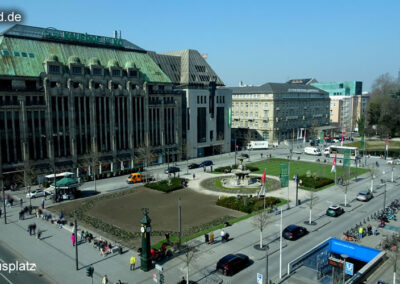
(67, 96)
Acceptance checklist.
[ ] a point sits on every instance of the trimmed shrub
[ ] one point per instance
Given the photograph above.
(252, 168)
(247, 204)
(315, 182)
(222, 169)
(166, 185)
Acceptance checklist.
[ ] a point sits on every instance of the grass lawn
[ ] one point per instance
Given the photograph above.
(376, 145)
(272, 167)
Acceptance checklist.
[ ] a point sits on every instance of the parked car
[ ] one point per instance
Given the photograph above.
(233, 263)
(334, 211)
(193, 166)
(206, 163)
(35, 194)
(172, 170)
(244, 155)
(336, 140)
(364, 195)
(314, 143)
(294, 232)
(394, 162)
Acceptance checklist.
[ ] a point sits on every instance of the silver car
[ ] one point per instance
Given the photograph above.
(35, 194)
(364, 195)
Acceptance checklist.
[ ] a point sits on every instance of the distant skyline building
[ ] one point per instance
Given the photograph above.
(347, 88)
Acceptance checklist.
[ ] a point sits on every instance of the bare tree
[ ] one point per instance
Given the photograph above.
(260, 222)
(189, 256)
(28, 177)
(145, 154)
(92, 159)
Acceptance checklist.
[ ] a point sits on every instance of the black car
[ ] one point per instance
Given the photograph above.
(206, 163)
(244, 155)
(334, 211)
(193, 166)
(294, 232)
(172, 170)
(233, 263)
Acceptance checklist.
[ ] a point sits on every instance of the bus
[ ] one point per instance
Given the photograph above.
(339, 152)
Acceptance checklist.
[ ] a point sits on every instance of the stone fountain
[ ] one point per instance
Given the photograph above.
(241, 178)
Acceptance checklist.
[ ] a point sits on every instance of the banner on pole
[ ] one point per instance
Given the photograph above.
(321, 137)
(284, 176)
(363, 142)
(346, 160)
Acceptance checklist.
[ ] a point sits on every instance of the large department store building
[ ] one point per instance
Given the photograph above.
(65, 96)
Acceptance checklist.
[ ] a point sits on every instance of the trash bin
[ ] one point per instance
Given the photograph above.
(206, 238)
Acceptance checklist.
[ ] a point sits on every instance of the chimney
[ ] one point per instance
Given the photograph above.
(115, 34)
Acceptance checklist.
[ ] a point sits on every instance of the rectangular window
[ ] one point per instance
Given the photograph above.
(97, 71)
(16, 53)
(116, 72)
(132, 73)
(54, 69)
(5, 52)
(24, 54)
(76, 70)
(31, 55)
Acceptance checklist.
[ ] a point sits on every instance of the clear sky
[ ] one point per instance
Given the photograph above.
(250, 41)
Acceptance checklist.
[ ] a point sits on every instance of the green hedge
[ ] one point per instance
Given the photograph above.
(315, 182)
(166, 185)
(247, 204)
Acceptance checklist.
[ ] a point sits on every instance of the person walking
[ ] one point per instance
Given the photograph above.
(21, 202)
(34, 228)
(105, 279)
(194, 176)
(360, 232)
(39, 234)
(42, 204)
(30, 229)
(133, 262)
(82, 235)
(0, 212)
(73, 239)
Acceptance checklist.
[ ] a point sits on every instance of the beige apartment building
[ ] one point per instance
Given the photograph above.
(345, 111)
(277, 111)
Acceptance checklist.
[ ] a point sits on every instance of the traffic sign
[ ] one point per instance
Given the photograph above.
(349, 268)
(259, 278)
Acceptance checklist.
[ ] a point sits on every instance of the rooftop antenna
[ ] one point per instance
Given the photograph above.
(115, 34)
(120, 36)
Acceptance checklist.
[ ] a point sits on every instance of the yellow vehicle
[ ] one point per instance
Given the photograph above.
(134, 178)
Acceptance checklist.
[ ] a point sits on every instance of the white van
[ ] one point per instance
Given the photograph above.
(312, 151)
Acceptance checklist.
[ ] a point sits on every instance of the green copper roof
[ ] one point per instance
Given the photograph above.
(25, 57)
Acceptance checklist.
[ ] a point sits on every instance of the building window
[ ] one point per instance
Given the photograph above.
(24, 54)
(31, 55)
(76, 70)
(54, 69)
(16, 53)
(132, 73)
(97, 71)
(5, 52)
(116, 73)
(205, 99)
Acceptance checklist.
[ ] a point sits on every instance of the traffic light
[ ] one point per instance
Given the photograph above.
(89, 271)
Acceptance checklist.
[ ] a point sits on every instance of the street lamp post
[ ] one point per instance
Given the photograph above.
(235, 151)
(266, 262)
(297, 189)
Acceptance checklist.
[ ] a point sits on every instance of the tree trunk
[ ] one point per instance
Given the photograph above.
(261, 243)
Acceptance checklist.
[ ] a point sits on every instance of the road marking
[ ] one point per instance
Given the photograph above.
(2, 261)
(6, 278)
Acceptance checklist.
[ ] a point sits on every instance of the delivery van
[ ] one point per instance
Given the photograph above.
(134, 178)
(312, 151)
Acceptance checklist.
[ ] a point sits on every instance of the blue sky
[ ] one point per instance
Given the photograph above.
(250, 41)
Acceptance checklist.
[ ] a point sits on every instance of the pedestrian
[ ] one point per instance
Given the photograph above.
(119, 282)
(183, 281)
(82, 235)
(73, 239)
(42, 204)
(133, 262)
(261, 155)
(39, 234)
(194, 175)
(0, 212)
(34, 228)
(30, 229)
(21, 202)
(360, 232)
(374, 231)
(105, 280)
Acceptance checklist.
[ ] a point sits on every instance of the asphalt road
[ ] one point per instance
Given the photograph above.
(7, 257)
